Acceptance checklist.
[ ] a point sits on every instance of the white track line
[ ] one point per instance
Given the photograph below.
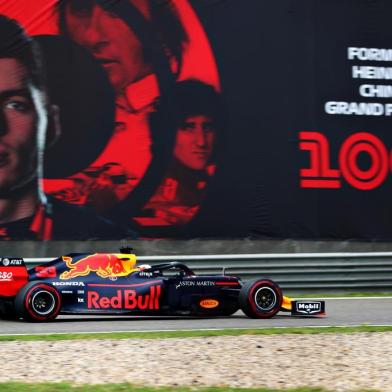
(191, 330)
(340, 298)
(217, 329)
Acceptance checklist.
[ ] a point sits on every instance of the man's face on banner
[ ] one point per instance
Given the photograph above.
(194, 141)
(18, 126)
(110, 41)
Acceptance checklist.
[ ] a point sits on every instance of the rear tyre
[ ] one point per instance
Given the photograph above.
(260, 298)
(38, 302)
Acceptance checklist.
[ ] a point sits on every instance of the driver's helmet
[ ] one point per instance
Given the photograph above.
(143, 267)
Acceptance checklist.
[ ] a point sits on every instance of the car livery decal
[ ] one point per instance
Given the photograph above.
(209, 303)
(125, 299)
(104, 265)
(308, 307)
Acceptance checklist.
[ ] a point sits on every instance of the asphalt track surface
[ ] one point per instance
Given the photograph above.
(340, 312)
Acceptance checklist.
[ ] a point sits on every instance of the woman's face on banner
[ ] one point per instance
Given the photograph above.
(194, 141)
(111, 41)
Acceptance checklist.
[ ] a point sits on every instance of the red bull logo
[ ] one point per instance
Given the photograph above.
(127, 299)
(104, 265)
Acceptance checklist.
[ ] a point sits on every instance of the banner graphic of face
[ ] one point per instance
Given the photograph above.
(121, 141)
(190, 118)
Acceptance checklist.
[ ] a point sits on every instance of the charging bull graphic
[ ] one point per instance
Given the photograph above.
(104, 265)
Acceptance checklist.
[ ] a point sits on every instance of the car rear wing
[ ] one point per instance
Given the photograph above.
(13, 275)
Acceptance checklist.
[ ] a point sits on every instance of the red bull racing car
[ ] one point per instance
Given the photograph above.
(112, 283)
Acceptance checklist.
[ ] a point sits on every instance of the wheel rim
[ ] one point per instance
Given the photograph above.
(265, 298)
(43, 302)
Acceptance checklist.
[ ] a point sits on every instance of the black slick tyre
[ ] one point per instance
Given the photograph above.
(260, 298)
(38, 302)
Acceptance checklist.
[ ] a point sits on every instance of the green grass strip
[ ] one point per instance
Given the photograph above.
(198, 333)
(65, 387)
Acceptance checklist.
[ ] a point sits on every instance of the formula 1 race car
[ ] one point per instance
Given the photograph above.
(111, 283)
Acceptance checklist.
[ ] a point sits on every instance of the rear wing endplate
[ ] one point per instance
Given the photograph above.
(13, 275)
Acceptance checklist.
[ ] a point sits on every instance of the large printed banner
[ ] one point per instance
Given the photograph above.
(195, 118)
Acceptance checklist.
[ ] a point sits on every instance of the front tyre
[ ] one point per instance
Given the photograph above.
(260, 298)
(38, 302)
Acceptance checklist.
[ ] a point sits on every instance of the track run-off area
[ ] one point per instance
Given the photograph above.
(355, 311)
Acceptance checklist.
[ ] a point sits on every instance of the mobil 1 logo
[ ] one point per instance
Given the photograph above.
(308, 307)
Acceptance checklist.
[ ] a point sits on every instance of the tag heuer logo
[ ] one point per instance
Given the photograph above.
(308, 307)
